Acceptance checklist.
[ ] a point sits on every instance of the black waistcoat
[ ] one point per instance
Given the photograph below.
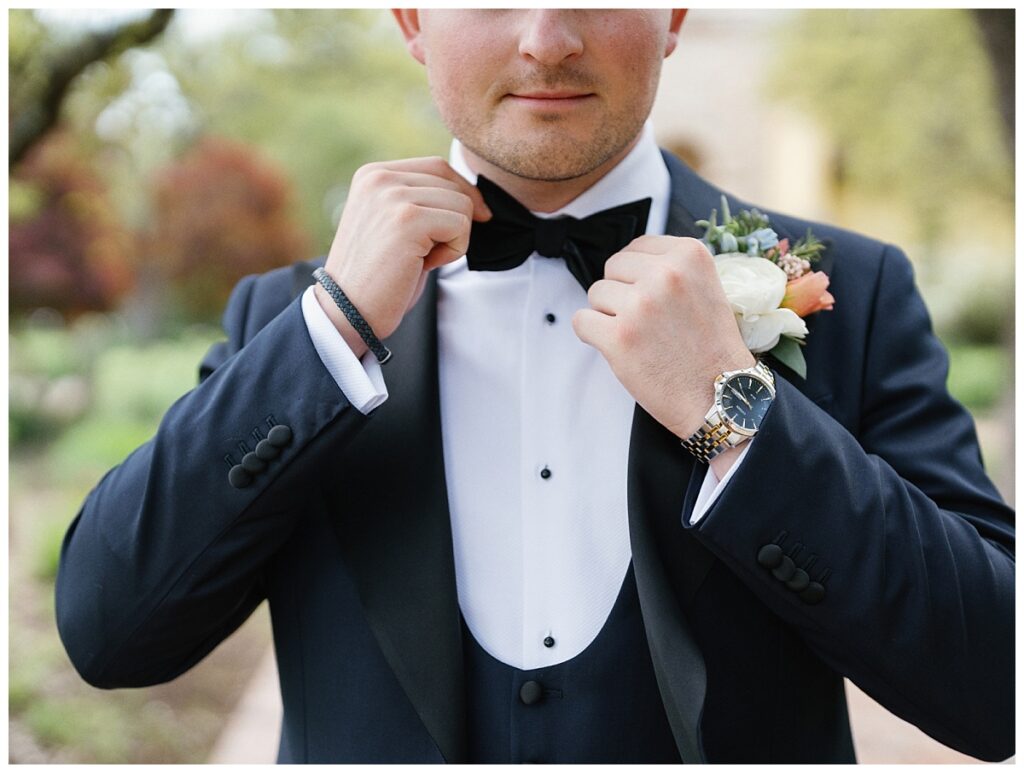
(601, 706)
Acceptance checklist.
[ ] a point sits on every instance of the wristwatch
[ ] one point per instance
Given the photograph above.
(742, 398)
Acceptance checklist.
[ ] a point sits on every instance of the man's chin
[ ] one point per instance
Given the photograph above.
(552, 157)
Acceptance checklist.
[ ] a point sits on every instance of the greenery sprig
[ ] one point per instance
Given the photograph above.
(750, 232)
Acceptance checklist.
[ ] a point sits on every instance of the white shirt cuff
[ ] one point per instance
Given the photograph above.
(360, 380)
(712, 487)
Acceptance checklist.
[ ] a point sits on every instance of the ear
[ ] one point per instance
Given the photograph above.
(678, 14)
(409, 21)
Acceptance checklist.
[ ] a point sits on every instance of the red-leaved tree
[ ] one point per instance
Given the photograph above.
(68, 249)
(219, 213)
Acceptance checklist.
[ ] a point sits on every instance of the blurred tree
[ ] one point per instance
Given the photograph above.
(43, 68)
(319, 91)
(67, 248)
(220, 212)
(997, 28)
(903, 138)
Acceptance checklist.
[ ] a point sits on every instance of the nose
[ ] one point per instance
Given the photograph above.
(551, 36)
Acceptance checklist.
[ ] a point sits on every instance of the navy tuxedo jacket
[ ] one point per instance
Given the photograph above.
(867, 474)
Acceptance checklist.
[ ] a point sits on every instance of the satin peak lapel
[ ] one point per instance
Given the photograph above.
(668, 562)
(396, 533)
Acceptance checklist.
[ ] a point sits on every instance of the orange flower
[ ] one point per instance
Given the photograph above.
(808, 294)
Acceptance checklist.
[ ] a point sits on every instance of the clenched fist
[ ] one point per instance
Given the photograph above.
(402, 219)
(661, 319)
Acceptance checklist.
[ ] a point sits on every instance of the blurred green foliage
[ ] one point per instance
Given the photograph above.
(123, 386)
(121, 389)
(983, 314)
(139, 382)
(909, 99)
(29, 46)
(312, 93)
(979, 376)
(319, 92)
(45, 351)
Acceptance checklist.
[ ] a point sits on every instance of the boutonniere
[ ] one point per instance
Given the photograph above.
(769, 282)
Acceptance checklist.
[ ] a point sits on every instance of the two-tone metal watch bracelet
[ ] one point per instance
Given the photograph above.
(708, 441)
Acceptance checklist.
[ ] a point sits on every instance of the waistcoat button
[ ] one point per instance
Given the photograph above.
(531, 692)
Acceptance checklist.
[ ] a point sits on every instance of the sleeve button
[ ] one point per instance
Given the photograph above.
(252, 463)
(769, 556)
(813, 593)
(784, 571)
(280, 436)
(799, 581)
(266, 450)
(238, 477)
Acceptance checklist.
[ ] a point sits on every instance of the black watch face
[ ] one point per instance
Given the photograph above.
(745, 401)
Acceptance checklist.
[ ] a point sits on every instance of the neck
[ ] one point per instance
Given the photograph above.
(543, 195)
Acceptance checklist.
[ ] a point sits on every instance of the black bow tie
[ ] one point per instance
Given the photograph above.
(508, 238)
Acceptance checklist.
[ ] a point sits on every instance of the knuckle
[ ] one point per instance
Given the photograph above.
(673, 276)
(392, 195)
(378, 177)
(626, 335)
(644, 304)
(406, 213)
(367, 170)
(700, 254)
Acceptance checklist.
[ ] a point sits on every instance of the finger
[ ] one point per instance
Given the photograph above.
(609, 296)
(652, 244)
(472, 193)
(593, 328)
(438, 167)
(446, 235)
(435, 198)
(629, 266)
(440, 255)
(659, 245)
(424, 180)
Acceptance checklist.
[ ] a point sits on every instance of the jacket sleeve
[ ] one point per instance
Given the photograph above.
(165, 558)
(895, 555)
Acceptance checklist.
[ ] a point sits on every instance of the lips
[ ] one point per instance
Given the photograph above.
(552, 95)
(551, 101)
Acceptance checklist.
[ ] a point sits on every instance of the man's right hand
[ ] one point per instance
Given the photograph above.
(402, 219)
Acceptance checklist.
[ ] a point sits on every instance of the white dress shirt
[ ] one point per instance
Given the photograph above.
(535, 436)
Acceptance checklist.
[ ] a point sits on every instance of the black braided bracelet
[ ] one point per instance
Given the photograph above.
(352, 314)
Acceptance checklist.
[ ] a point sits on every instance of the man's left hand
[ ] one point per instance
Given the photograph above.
(661, 319)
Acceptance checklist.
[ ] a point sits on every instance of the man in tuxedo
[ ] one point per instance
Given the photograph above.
(494, 547)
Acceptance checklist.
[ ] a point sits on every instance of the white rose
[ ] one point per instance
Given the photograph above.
(755, 288)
